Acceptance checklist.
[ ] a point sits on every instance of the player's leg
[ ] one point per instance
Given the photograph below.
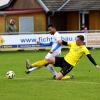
(66, 68)
(66, 77)
(51, 69)
(60, 76)
(57, 61)
(49, 66)
(35, 66)
(31, 69)
(39, 63)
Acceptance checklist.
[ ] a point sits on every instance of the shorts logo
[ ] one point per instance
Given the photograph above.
(1, 40)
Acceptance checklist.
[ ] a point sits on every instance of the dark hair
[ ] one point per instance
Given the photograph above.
(81, 37)
(51, 25)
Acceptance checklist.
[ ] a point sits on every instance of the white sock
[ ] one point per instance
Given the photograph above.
(34, 68)
(51, 69)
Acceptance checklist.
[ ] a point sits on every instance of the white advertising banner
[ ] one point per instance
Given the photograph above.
(93, 40)
(30, 40)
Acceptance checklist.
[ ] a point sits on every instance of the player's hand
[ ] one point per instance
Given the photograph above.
(98, 67)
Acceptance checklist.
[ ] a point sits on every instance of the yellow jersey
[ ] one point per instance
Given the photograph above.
(75, 53)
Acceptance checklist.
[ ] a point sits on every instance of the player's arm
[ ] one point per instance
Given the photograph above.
(50, 44)
(56, 47)
(93, 61)
(45, 44)
(87, 53)
(64, 43)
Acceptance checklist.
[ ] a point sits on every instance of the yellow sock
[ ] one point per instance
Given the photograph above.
(66, 77)
(40, 63)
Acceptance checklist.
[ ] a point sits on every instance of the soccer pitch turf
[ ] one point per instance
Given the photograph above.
(39, 84)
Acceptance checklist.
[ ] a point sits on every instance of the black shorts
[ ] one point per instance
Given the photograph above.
(65, 66)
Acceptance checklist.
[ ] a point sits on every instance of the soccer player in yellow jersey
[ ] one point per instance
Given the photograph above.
(66, 63)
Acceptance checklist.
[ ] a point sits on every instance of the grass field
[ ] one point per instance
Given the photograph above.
(39, 85)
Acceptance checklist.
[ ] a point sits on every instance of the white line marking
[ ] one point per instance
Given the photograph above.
(83, 82)
(68, 81)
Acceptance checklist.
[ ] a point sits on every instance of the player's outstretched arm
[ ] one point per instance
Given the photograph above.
(93, 61)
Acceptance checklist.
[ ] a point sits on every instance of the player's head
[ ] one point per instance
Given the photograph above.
(80, 40)
(51, 29)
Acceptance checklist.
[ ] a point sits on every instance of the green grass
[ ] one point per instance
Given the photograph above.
(39, 85)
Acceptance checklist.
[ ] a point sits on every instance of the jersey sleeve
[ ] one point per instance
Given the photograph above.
(70, 43)
(86, 51)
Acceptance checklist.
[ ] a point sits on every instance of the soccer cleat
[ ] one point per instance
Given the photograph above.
(27, 71)
(28, 65)
(71, 76)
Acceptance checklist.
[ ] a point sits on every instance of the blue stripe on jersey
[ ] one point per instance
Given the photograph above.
(46, 44)
(56, 47)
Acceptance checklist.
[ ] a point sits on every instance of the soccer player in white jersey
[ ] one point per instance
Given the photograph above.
(55, 51)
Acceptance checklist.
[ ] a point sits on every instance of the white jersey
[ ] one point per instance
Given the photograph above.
(57, 52)
(56, 37)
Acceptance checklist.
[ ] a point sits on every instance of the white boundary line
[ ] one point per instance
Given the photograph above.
(68, 81)
(84, 82)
